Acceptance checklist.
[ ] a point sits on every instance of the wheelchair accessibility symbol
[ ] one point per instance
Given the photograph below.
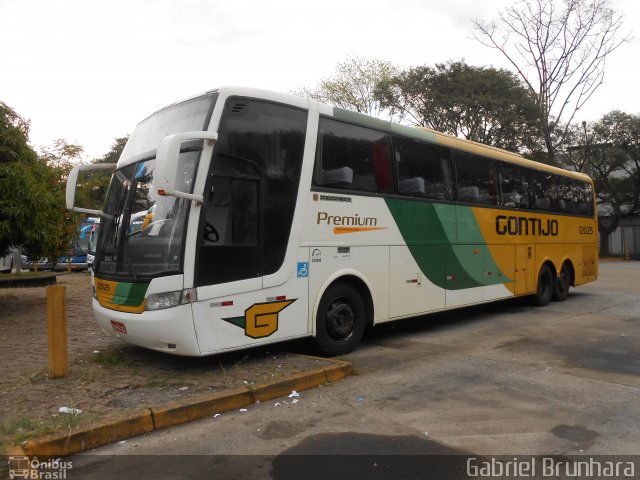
(303, 269)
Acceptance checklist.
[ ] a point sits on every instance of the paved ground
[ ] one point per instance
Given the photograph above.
(107, 377)
(505, 378)
(23, 323)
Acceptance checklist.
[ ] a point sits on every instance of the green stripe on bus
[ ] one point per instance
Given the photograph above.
(427, 240)
(129, 294)
(430, 232)
(469, 233)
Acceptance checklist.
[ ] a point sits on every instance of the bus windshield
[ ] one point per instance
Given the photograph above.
(131, 248)
(125, 251)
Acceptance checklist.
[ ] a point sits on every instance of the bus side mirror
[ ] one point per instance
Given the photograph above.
(72, 180)
(166, 172)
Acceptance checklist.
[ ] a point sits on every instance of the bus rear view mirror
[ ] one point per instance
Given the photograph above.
(167, 169)
(72, 184)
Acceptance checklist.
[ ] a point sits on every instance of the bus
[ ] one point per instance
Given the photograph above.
(277, 217)
(93, 241)
(79, 247)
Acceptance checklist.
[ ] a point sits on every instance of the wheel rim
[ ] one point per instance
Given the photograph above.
(340, 320)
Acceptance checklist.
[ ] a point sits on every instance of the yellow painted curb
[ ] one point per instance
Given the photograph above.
(113, 430)
(299, 381)
(183, 412)
(338, 371)
(109, 431)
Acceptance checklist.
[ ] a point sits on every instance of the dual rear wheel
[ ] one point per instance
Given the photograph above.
(552, 287)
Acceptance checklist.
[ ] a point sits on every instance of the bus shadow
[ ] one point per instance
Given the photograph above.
(441, 321)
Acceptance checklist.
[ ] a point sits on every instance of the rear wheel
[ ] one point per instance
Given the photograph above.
(340, 320)
(544, 292)
(562, 283)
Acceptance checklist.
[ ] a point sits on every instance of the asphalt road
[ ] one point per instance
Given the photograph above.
(501, 379)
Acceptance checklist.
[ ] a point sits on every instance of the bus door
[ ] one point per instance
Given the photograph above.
(524, 271)
(246, 220)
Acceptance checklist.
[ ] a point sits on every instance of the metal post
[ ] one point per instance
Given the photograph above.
(57, 328)
(17, 261)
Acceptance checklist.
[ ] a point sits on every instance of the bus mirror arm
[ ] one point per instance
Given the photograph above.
(72, 180)
(167, 155)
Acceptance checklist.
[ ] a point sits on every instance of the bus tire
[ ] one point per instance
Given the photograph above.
(562, 283)
(340, 320)
(544, 290)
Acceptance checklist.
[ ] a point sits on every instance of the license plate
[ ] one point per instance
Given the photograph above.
(118, 327)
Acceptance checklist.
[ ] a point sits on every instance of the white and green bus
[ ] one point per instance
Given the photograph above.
(273, 217)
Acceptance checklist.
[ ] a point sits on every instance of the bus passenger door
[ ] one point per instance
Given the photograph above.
(524, 274)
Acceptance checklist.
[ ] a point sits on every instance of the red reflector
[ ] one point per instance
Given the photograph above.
(118, 327)
(281, 297)
(161, 191)
(226, 303)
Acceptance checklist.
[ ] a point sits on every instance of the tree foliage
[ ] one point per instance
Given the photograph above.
(559, 51)
(60, 158)
(92, 186)
(33, 216)
(29, 203)
(609, 151)
(114, 152)
(477, 103)
(353, 86)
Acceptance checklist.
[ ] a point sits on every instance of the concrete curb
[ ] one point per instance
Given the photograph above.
(155, 418)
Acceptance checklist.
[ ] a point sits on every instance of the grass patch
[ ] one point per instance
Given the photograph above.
(25, 427)
(108, 358)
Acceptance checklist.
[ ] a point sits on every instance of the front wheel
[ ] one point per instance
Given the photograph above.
(544, 292)
(562, 284)
(340, 320)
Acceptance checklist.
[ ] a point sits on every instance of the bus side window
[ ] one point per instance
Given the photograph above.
(352, 157)
(424, 170)
(253, 185)
(566, 199)
(545, 193)
(232, 216)
(514, 186)
(476, 177)
(583, 193)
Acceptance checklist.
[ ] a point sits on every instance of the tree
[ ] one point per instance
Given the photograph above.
(609, 151)
(559, 53)
(114, 152)
(26, 190)
(60, 158)
(92, 186)
(477, 103)
(353, 86)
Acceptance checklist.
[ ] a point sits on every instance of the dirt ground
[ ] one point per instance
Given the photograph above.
(107, 377)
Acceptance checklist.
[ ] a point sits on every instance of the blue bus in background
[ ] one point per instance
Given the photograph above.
(79, 246)
(137, 223)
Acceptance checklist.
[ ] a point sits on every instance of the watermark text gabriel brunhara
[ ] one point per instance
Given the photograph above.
(553, 467)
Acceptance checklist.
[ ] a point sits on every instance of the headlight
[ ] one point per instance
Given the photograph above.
(159, 301)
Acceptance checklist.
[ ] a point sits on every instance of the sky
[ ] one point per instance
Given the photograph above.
(88, 71)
